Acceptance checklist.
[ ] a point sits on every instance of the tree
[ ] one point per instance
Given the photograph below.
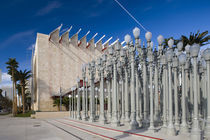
(12, 66)
(198, 38)
(23, 76)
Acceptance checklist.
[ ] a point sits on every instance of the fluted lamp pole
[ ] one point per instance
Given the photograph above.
(169, 55)
(78, 99)
(206, 56)
(195, 131)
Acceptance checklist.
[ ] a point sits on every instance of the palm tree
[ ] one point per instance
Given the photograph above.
(23, 76)
(198, 38)
(12, 66)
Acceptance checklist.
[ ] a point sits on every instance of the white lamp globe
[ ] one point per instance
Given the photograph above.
(187, 48)
(170, 43)
(182, 58)
(76, 96)
(148, 36)
(160, 39)
(69, 96)
(194, 50)
(136, 32)
(180, 46)
(127, 38)
(206, 54)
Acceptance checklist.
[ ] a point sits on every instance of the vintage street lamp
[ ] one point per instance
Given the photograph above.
(133, 124)
(150, 60)
(169, 55)
(206, 56)
(91, 68)
(108, 81)
(175, 64)
(127, 39)
(114, 56)
(195, 132)
(102, 118)
(136, 33)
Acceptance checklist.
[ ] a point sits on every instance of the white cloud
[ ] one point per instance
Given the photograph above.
(48, 8)
(15, 37)
(6, 80)
(31, 47)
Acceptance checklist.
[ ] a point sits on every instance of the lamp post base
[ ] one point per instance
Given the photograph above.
(134, 125)
(171, 130)
(195, 132)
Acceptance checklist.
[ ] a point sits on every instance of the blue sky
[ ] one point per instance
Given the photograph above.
(22, 19)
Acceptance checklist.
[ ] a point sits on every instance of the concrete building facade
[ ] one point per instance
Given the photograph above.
(56, 64)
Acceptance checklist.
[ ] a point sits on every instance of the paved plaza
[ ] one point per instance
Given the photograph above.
(65, 128)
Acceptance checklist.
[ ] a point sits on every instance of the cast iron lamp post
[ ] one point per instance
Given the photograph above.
(206, 56)
(158, 85)
(195, 132)
(150, 60)
(127, 39)
(169, 54)
(114, 57)
(101, 63)
(133, 123)
(91, 68)
(136, 33)
(109, 73)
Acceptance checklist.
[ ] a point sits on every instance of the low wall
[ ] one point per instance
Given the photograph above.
(48, 115)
